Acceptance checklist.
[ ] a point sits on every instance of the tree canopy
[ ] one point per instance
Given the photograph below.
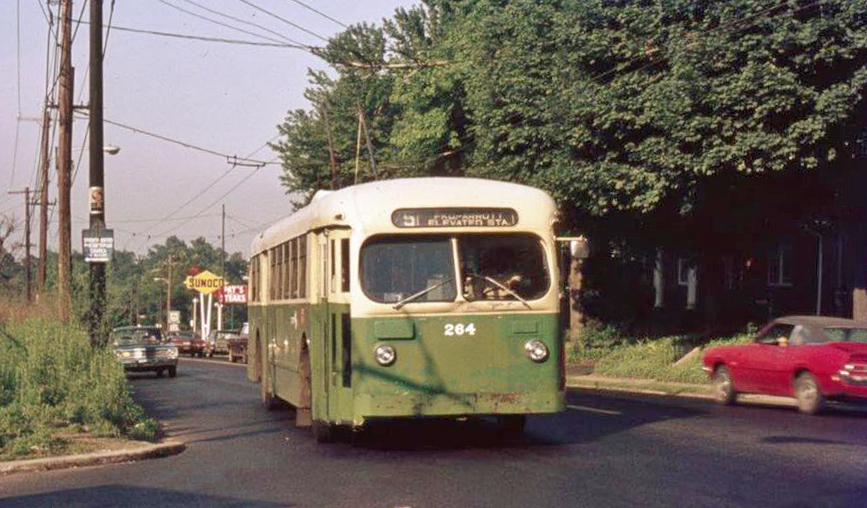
(615, 107)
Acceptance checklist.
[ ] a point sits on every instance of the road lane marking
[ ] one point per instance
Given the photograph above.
(594, 410)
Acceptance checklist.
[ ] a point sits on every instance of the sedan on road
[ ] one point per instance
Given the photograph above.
(142, 348)
(188, 343)
(811, 358)
(218, 342)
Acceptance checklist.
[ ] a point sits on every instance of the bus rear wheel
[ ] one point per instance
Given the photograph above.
(323, 432)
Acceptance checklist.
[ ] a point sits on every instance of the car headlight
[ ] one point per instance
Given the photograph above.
(173, 352)
(536, 350)
(385, 355)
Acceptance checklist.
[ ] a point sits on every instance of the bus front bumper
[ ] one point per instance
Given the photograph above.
(456, 405)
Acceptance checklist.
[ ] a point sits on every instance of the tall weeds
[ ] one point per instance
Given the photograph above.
(52, 384)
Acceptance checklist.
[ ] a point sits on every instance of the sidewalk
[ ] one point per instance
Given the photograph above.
(132, 451)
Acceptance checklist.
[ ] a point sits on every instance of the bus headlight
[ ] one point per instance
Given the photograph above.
(385, 355)
(536, 350)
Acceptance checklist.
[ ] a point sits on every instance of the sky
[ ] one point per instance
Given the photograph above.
(225, 98)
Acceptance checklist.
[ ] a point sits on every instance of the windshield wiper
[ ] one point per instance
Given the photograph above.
(421, 293)
(503, 287)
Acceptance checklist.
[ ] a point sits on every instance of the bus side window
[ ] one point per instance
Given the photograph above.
(333, 268)
(344, 265)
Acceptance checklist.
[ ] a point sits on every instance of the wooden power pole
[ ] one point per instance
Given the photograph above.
(96, 173)
(27, 270)
(64, 160)
(43, 200)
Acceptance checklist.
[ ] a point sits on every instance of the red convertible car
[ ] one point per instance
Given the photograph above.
(811, 358)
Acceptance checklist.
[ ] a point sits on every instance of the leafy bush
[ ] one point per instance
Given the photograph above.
(598, 339)
(51, 378)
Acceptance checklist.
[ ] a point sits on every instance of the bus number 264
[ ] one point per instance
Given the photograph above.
(460, 329)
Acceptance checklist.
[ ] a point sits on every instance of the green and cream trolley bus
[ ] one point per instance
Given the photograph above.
(422, 297)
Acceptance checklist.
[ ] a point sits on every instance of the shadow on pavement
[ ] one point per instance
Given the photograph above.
(595, 418)
(127, 496)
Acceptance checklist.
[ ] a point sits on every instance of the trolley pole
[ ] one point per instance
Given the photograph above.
(97, 191)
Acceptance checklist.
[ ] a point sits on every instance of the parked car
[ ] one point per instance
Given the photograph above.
(188, 343)
(238, 346)
(142, 348)
(811, 358)
(217, 342)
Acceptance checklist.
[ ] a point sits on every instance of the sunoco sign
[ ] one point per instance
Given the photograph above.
(205, 282)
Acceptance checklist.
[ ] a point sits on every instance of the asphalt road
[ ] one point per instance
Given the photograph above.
(606, 451)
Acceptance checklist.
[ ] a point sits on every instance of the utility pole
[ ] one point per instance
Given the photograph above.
(169, 293)
(367, 137)
(64, 160)
(97, 191)
(27, 270)
(43, 200)
(223, 246)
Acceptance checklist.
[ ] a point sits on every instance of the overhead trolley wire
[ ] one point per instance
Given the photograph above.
(326, 16)
(239, 20)
(220, 23)
(284, 20)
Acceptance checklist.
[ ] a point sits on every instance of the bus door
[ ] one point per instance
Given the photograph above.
(338, 325)
(332, 366)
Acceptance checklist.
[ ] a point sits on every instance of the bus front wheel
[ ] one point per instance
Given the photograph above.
(511, 425)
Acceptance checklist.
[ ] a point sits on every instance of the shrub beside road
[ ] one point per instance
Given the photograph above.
(668, 359)
(57, 394)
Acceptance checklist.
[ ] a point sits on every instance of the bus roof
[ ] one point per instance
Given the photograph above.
(369, 206)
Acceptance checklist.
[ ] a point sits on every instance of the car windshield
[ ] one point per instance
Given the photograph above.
(847, 334)
(129, 336)
(421, 268)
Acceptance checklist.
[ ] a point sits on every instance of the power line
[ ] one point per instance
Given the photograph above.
(290, 23)
(211, 39)
(231, 159)
(326, 16)
(220, 23)
(239, 20)
(18, 90)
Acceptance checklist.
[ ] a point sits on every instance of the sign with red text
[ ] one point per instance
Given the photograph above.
(234, 294)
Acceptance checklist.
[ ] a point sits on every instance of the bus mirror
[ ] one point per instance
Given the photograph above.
(579, 246)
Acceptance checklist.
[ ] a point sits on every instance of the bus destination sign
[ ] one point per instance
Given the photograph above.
(454, 217)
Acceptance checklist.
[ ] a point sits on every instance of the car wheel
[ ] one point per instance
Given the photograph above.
(173, 371)
(159, 372)
(323, 432)
(511, 425)
(810, 398)
(723, 387)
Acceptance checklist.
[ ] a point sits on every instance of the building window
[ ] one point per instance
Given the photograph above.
(683, 267)
(780, 265)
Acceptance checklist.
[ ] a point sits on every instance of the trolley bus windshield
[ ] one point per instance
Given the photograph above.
(420, 268)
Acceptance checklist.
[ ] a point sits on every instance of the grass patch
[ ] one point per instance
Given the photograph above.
(653, 359)
(52, 384)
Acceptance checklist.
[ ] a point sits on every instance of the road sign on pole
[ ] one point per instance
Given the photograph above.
(97, 245)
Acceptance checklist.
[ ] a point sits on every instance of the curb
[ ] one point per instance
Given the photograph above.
(641, 387)
(144, 451)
